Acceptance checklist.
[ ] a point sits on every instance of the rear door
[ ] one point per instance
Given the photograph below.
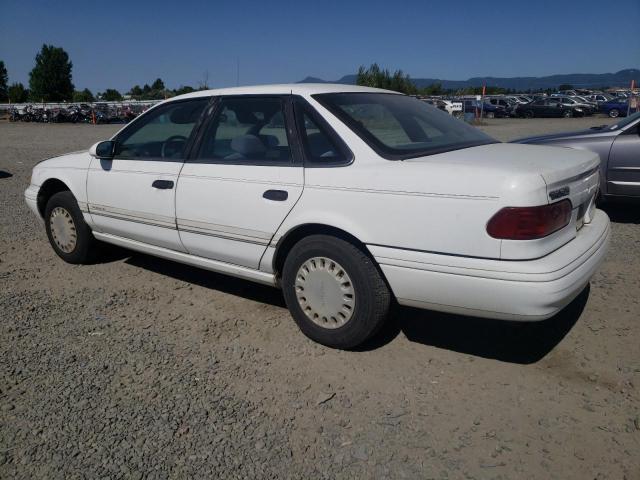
(241, 181)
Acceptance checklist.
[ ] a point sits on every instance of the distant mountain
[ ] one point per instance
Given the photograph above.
(580, 80)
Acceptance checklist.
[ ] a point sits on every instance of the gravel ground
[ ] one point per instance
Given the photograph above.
(137, 367)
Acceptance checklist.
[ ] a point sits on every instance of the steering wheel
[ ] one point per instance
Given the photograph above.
(172, 140)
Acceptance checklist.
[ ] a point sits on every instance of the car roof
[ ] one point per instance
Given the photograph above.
(284, 89)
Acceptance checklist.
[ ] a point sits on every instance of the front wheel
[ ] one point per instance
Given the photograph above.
(68, 233)
(334, 291)
(567, 114)
(614, 113)
(528, 114)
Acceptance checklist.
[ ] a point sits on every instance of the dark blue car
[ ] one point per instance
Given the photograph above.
(488, 110)
(615, 108)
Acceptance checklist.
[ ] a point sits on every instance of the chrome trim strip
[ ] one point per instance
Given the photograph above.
(213, 227)
(226, 237)
(188, 226)
(402, 193)
(617, 182)
(134, 216)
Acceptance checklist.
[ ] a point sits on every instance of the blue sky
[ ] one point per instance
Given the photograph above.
(118, 44)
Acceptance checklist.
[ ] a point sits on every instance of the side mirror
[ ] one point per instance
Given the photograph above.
(104, 150)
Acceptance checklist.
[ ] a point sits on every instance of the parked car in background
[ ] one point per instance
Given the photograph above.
(520, 98)
(488, 110)
(548, 107)
(582, 99)
(618, 147)
(615, 108)
(345, 197)
(451, 107)
(599, 98)
(575, 103)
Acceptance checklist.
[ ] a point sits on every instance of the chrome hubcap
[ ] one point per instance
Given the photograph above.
(63, 230)
(325, 292)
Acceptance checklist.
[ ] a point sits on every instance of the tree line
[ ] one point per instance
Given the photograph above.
(50, 80)
(375, 76)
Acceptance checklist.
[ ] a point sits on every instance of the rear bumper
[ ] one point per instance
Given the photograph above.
(512, 290)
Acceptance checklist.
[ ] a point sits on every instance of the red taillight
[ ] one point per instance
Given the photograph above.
(528, 223)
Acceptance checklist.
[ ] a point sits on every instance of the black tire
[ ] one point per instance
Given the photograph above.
(567, 113)
(528, 114)
(85, 247)
(614, 113)
(490, 115)
(371, 295)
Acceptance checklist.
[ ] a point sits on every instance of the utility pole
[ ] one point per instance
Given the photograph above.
(237, 71)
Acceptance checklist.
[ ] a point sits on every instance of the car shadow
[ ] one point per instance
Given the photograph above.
(513, 342)
(628, 212)
(5, 174)
(204, 278)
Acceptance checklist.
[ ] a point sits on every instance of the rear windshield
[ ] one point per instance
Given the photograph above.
(398, 127)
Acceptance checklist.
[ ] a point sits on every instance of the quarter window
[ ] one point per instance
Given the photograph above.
(247, 130)
(320, 148)
(162, 133)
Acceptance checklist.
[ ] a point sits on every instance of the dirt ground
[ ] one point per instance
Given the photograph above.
(138, 367)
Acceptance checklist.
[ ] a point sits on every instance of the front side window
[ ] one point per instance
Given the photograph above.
(162, 133)
(247, 130)
(400, 127)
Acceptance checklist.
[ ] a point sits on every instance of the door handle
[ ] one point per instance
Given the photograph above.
(162, 184)
(276, 195)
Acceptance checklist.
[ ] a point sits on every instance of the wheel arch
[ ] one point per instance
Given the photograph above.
(297, 233)
(49, 188)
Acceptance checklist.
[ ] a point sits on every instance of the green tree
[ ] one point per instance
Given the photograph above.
(184, 89)
(433, 89)
(374, 76)
(50, 79)
(157, 85)
(565, 86)
(83, 96)
(17, 93)
(111, 95)
(135, 91)
(4, 78)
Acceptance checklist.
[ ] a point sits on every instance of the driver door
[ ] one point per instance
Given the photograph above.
(133, 194)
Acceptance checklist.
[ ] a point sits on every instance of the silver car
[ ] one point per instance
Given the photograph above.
(619, 148)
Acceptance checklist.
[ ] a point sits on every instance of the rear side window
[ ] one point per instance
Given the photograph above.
(399, 127)
(249, 130)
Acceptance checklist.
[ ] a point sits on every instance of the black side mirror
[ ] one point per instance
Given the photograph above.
(104, 150)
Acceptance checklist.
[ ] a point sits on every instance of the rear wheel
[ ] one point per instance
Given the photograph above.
(567, 114)
(490, 115)
(528, 114)
(614, 113)
(68, 233)
(335, 292)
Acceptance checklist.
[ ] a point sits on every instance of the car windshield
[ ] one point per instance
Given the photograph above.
(399, 127)
(630, 119)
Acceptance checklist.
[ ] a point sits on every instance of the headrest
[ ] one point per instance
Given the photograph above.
(248, 145)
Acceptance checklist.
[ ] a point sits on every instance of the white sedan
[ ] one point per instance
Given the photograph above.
(345, 197)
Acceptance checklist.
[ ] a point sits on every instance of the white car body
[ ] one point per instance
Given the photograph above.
(452, 107)
(423, 220)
